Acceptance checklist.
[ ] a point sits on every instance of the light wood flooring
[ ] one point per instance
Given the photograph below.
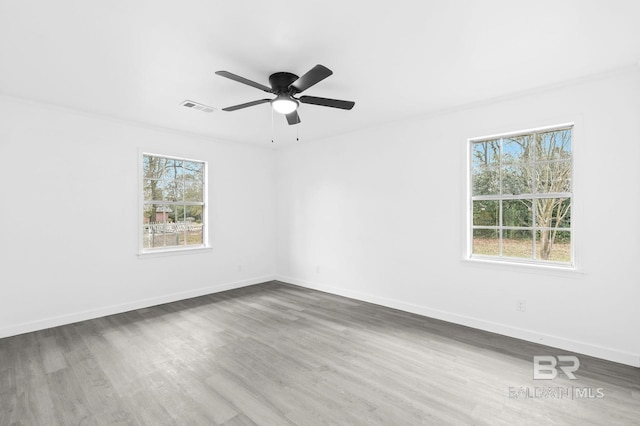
(276, 354)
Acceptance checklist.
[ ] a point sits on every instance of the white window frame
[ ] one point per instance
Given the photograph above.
(469, 256)
(141, 204)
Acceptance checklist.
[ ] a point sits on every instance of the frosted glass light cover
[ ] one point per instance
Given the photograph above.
(284, 105)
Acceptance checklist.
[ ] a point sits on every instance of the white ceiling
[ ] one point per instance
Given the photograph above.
(138, 59)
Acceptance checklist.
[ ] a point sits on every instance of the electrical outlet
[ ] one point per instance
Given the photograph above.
(521, 306)
(239, 268)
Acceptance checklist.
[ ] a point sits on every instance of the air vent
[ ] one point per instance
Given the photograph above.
(198, 106)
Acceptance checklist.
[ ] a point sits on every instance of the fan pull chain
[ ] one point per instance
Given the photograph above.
(272, 131)
(298, 133)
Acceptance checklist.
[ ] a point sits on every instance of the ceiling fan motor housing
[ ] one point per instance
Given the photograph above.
(280, 82)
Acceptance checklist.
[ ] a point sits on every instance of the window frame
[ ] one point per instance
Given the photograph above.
(142, 250)
(533, 196)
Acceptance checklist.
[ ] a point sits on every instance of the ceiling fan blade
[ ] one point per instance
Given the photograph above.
(333, 103)
(293, 118)
(313, 76)
(244, 81)
(247, 104)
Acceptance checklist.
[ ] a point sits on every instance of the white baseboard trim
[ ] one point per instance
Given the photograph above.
(563, 343)
(41, 324)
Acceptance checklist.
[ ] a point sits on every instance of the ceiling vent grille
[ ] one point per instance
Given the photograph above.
(198, 106)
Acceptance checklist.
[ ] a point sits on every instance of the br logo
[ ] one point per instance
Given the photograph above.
(544, 366)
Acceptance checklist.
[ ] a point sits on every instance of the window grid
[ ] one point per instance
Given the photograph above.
(533, 162)
(173, 203)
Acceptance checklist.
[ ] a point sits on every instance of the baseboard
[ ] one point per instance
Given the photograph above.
(56, 321)
(498, 328)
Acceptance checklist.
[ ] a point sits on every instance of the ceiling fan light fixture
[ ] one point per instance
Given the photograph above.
(284, 104)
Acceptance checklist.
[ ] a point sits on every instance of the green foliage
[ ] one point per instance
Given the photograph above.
(486, 213)
(517, 213)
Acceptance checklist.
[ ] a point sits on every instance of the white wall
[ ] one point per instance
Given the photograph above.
(379, 215)
(69, 218)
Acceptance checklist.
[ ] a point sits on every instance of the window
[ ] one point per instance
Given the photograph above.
(521, 197)
(173, 203)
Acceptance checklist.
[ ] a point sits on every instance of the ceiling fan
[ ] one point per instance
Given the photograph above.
(285, 86)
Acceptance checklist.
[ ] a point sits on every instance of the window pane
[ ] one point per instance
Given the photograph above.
(178, 213)
(182, 235)
(163, 213)
(486, 181)
(172, 235)
(154, 167)
(554, 176)
(553, 246)
(554, 145)
(155, 225)
(517, 243)
(517, 213)
(194, 224)
(485, 154)
(169, 168)
(174, 190)
(193, 191)
(193, 171)
(147, 217)
(194, 213)
(486, 242)
(485, 213)
(193, 181)
(173, 169)
(553, 212)
(517, 149)
(194, 234)
(155, 190)
(149, 189)
(149, 214)
(516, 179)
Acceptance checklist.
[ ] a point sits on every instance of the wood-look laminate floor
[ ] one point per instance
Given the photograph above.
(275, 354)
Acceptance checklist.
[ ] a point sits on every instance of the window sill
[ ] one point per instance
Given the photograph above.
(172, 251)
(505, 265)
